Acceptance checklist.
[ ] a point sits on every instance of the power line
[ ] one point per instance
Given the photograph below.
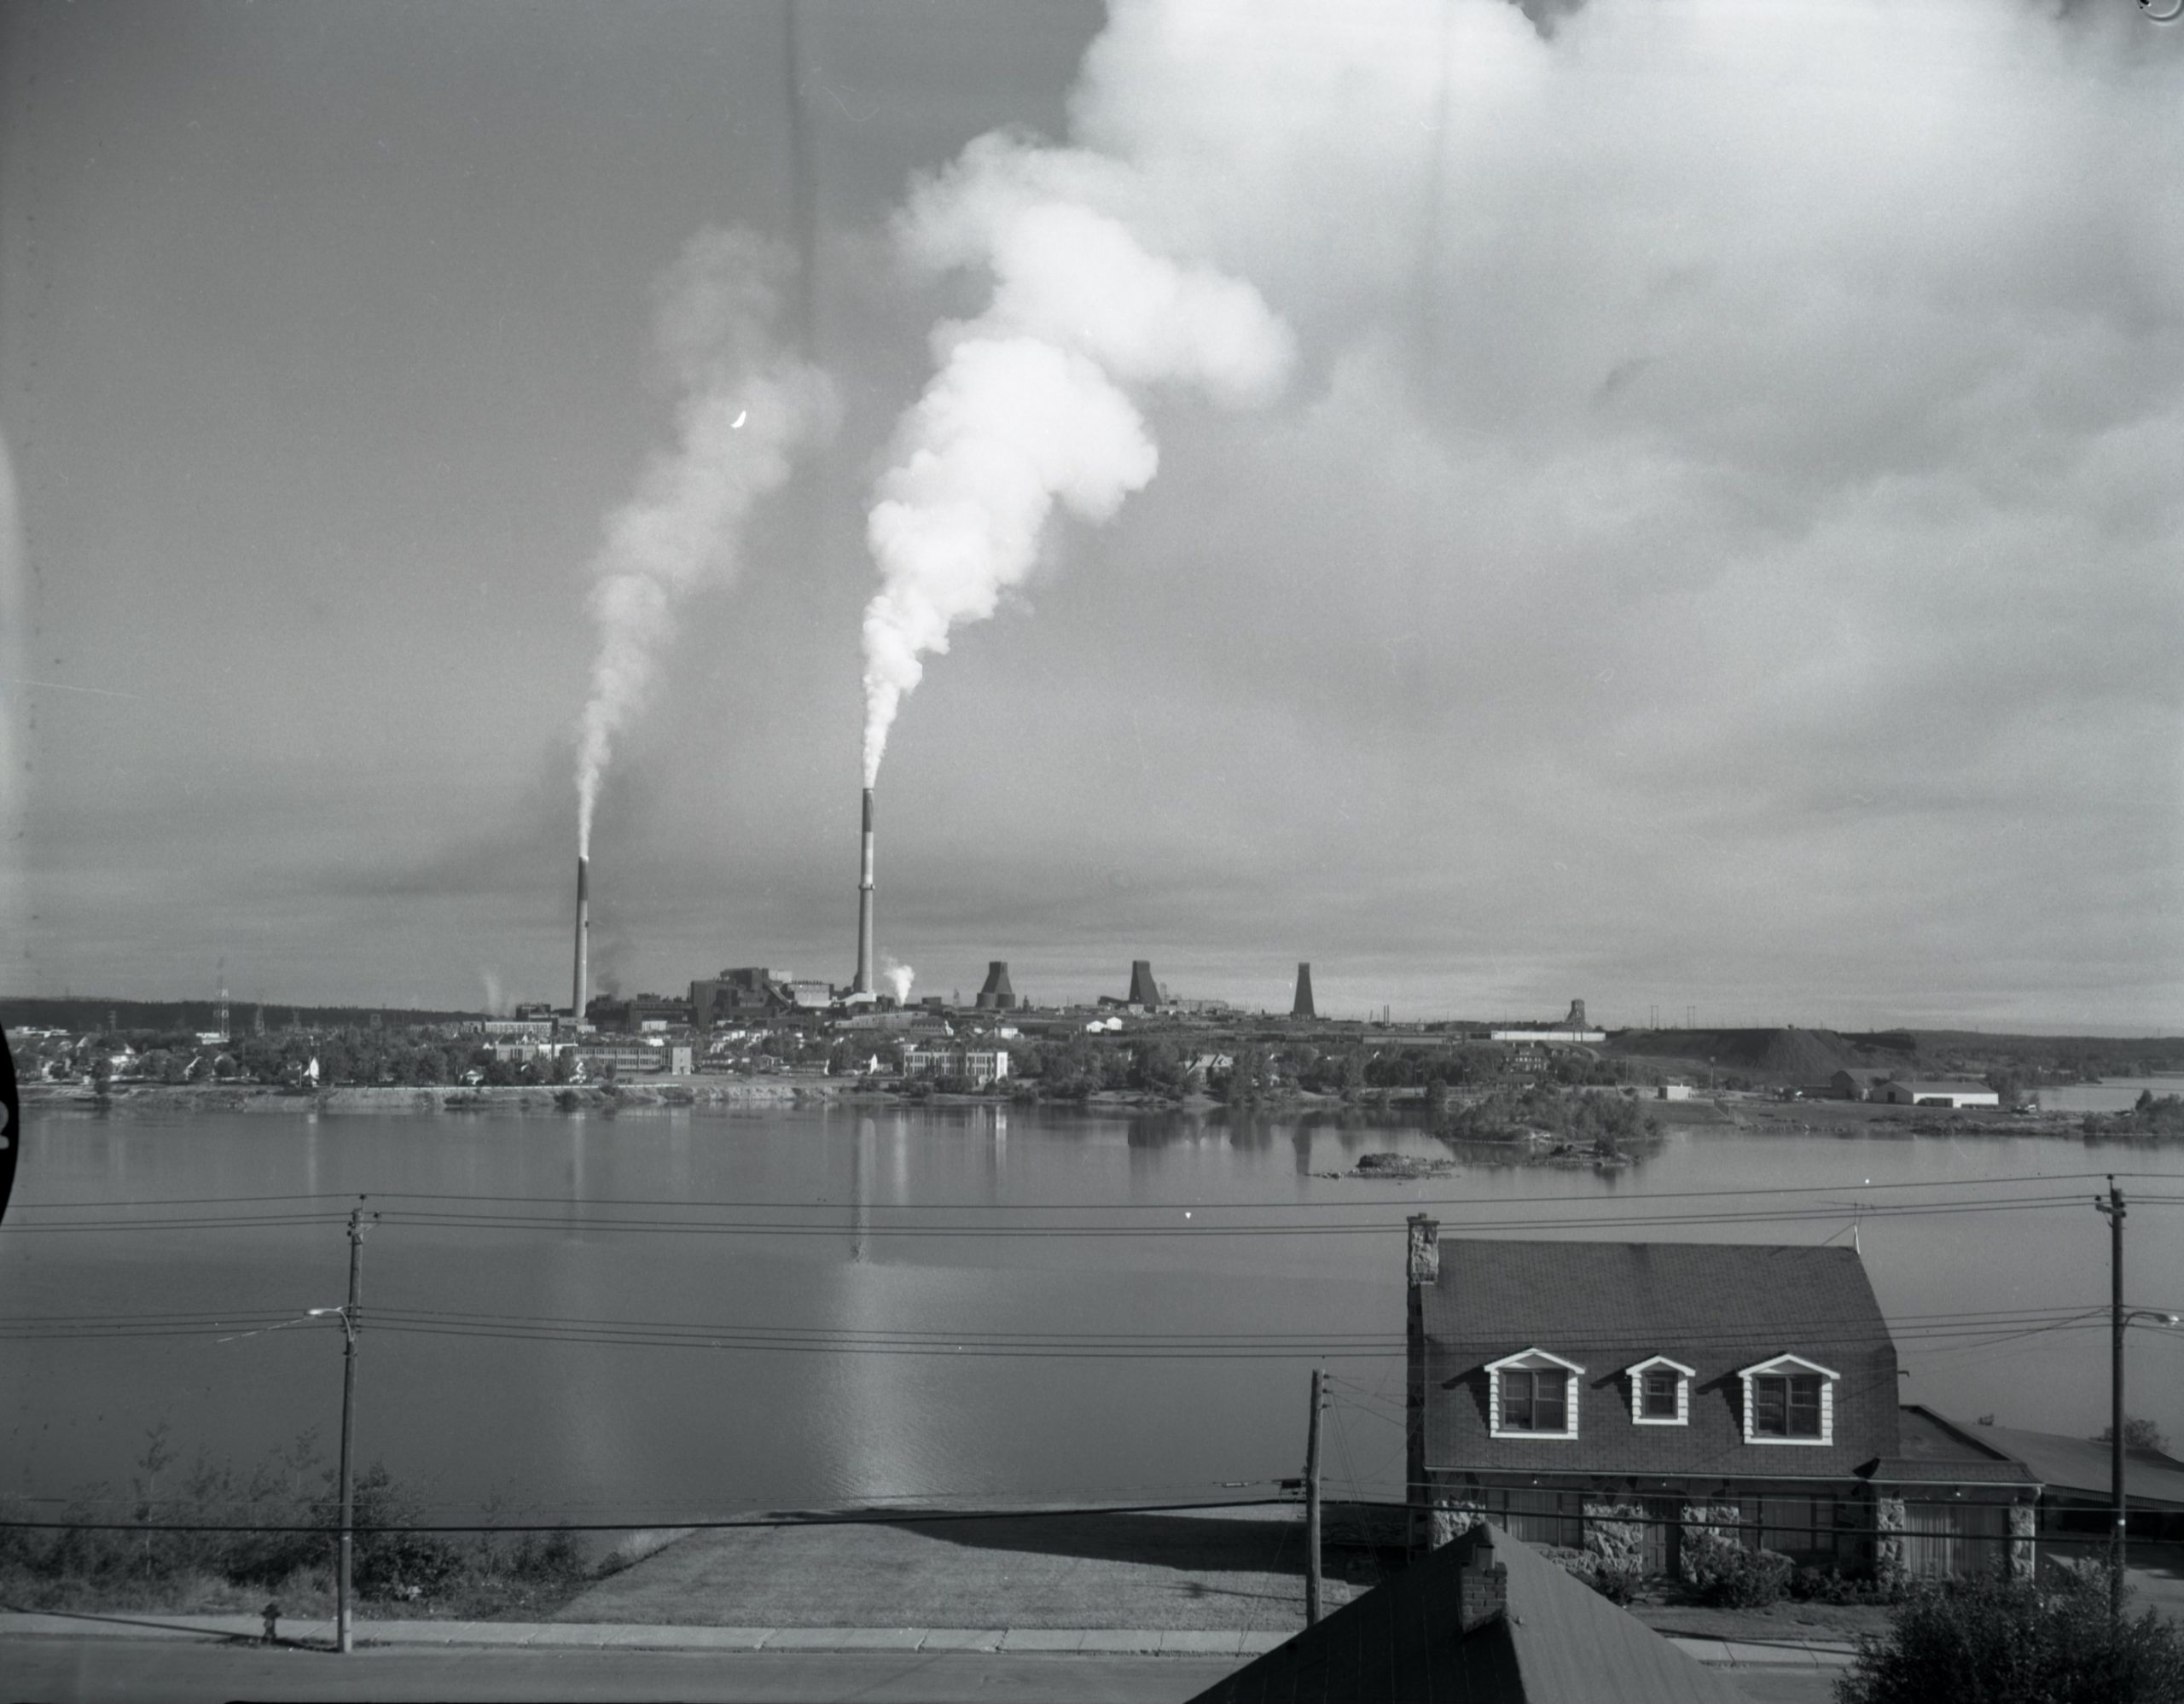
(874, 1518)
(1588, 1214)
(1409, 1201)
(1941, 1336)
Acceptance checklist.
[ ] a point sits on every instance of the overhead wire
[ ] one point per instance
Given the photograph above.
(1421, 1199)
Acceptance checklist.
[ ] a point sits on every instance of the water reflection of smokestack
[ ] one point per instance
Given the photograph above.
(868, 1140)
(575, 1233)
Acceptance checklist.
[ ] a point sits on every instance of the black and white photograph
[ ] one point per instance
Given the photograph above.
(923, 850)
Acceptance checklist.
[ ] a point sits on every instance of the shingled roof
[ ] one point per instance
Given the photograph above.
(1715, 1308)
(2078, 1467)
(1539, 1634)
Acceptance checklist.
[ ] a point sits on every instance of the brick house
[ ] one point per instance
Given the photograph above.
(1665, 1386)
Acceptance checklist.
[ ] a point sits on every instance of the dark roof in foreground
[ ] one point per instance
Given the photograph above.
(2078, 1467)
(1557, 1642)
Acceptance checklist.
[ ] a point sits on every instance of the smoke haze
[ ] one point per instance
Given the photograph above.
(898, 978)
(745, 407)
(14, 697)
(1028, 408)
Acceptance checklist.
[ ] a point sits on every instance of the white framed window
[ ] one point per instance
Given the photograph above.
(1532, 1394)
(1661, 1391)
(1789, 1401)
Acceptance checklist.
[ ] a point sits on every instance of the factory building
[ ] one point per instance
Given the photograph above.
(732, 996)
(981, 1067)
(1573, 1028)
(639, 1014)
(1949, 1093)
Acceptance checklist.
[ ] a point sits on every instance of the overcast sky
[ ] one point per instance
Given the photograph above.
(1717, 542)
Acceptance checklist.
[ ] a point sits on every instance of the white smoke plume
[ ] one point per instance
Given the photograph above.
(1029, 407)
(746, 406)
(899, 977)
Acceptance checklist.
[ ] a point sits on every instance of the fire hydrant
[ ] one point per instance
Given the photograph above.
(272, 1621)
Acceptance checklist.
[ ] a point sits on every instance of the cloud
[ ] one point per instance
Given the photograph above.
(1731, 454)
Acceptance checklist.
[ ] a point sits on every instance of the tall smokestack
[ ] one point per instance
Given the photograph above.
(862, 984)
(583, 938)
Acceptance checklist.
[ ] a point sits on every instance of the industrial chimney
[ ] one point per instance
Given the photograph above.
(863, 984)
(1143, 989)
(996, 995)
(584, 938)
(1301, 1007)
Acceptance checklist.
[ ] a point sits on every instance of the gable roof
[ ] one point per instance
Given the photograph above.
(2079, 1467)
(1937, 1451)
(1776, 1362)
(1717, 1307)
(1558, 1639)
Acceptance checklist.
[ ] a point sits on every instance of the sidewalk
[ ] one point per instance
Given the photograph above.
(639, 1636)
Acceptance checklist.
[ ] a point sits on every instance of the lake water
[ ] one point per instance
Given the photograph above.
(1214, 1243)
(2115, 1095)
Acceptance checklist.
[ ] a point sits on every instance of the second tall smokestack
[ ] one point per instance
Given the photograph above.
(584, 938)
(863, 983)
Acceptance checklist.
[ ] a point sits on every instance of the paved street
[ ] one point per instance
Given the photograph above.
(161, 1671)
(190, 1657)
(158, 1671)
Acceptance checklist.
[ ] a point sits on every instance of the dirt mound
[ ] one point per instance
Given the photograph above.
(1803, 1057)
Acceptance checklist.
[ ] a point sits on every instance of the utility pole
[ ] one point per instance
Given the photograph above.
(2113, 1208)
(343, 1638)
(1312, 1502)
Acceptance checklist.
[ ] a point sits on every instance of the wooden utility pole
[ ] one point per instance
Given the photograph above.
(343, 1638)
(1312, 1502)
(2118, 1552)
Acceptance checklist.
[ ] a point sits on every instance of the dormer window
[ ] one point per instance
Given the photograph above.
(1789, 1401)
(1533, 1394)
(1660, 1392)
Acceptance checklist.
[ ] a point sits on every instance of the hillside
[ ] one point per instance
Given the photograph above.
(81, 1014)
(1801, 1057)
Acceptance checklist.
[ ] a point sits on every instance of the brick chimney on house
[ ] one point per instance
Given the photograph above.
(1482, 1586)
(1422, 1268)
(1424, 1264)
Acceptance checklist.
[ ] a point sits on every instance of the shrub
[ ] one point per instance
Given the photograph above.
(391, 1561)
(1724, 1573)
(270, 1528)
(1833, 1586)
(1993, 1640)
(1615, 1541)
